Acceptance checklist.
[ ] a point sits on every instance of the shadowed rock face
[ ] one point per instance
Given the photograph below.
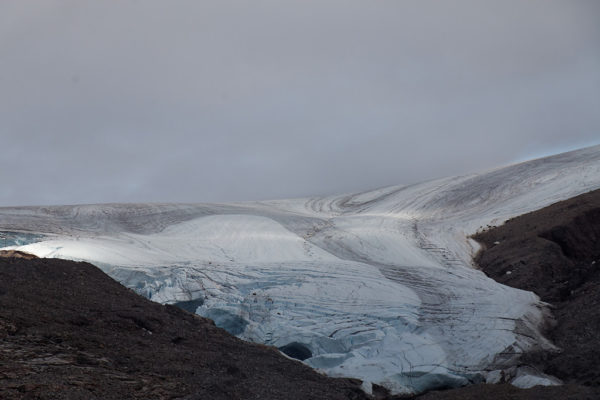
(555, 252)
(68, 331)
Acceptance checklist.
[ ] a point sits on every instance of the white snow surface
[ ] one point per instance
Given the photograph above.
(378, 285)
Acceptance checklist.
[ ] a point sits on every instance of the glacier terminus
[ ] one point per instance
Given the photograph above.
(378, 285)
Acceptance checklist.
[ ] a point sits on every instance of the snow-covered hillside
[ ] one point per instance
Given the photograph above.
(376, 285)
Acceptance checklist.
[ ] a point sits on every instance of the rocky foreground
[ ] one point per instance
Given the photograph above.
(68, 331)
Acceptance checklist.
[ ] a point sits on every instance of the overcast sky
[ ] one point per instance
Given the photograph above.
(231, 100)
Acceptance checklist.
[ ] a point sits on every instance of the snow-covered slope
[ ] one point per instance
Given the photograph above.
(377, 285)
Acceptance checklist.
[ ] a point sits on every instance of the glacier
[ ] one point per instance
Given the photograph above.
(378, 285)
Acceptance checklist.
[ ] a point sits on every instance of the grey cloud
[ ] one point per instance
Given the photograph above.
(237, 100)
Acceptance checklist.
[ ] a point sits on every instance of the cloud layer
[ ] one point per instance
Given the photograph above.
(236, 100)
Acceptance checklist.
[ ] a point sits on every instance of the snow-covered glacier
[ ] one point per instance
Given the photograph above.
(377, 285)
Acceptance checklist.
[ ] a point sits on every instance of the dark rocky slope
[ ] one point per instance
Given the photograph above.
(555, 252)
(68, 331)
